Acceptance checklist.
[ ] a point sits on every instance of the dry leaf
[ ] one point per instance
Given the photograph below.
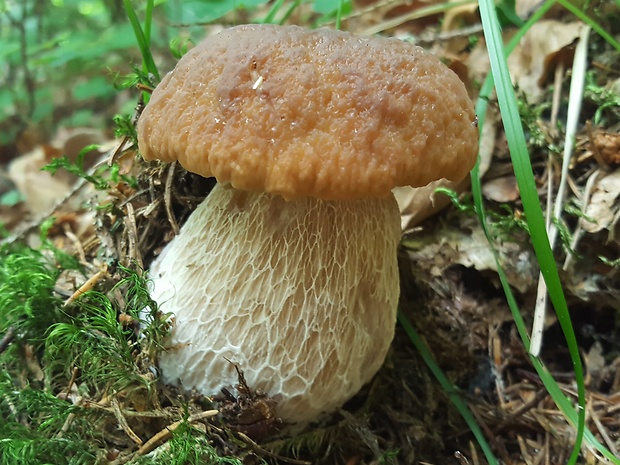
(417, 204)
(603, 208)
(502, 189)
(467, 245)
(40, 189)
(608, 146)
(527, 62)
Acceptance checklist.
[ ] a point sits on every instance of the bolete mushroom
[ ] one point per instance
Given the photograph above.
(288, 268)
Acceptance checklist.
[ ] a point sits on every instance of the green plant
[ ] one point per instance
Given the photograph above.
(188, 446)
(28, 304)
(605, 99)
(500, 79)
(42, 49)
(103, 345)
(102, 177)
(31, 430)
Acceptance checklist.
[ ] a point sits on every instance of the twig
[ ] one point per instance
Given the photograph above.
(474, 453)
(603, 432)
(461, 458)
(117, 150)
(134, 413)
(165, 433)
(74, 374)
(87, 286)
(256, 448)
(584, 205)
(168, 198)
(134, 119)
(7, 338)
(501, 448)
(76, 242)
(410, 16)
(123, 422)
(527, 406)
(574, 109)
(523, 449)
(67, 424)
(132, 235)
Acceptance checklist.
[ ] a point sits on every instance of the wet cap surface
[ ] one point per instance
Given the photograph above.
(319, 113)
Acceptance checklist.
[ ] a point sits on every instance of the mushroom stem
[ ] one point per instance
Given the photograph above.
(300, 294)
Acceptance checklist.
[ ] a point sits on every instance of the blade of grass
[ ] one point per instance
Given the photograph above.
(574, 110)
(292, 7)
(141, 38)
(273, 11)
(148, 18)
(451, 391)
(523, 172)
(560, 399)
(339, 15)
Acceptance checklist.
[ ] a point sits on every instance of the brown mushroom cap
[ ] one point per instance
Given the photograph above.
(319, 113)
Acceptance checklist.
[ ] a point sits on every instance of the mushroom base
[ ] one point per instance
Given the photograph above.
(301, 295)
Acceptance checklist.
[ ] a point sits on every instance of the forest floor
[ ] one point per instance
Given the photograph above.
(79, 384)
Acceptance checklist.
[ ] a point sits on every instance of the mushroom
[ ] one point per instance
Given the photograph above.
(288, 268)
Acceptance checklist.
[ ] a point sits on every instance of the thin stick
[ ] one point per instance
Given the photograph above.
(557, 96)
(76, 242)
(584, 205)
(74, 374)
(168, 199)
(410, 16)
(574, 109)
(165, 433)
(603, 432)
(132, 235)
(7, 338)
(87, 286)
(256, 448)
(67, 424)
(123, 422)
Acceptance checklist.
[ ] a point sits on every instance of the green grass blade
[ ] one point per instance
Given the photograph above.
(531, 204)
(293, 6)
(560, 399)
(476, 186)
(148, 21)
(141, 38)
(339, 15)
(273, 11)
(451, 391)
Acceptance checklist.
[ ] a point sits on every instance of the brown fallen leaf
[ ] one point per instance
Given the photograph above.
(40, 189)
(603, 208)
(608, 146)
(467, 245)
(527, 62)
(417, 204)
(502, 189)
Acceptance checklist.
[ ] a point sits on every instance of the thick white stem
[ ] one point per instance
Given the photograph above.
(301, 295)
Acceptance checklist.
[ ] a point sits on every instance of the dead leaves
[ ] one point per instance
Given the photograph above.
(603, 209)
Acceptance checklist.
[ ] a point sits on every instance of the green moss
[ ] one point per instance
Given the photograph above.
(188, 446)
(28, 305)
